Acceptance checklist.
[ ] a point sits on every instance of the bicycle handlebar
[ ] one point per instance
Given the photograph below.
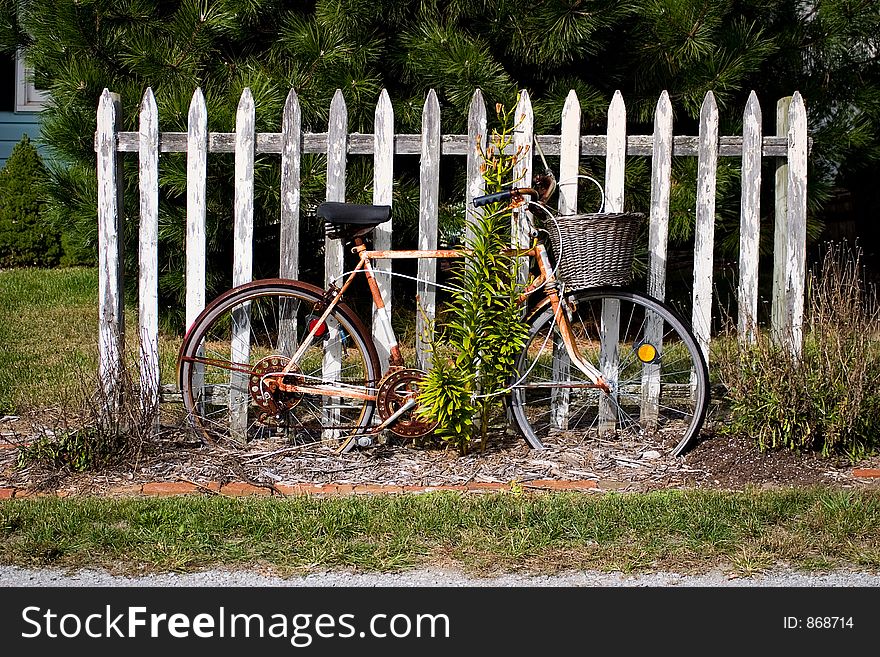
(503, 195)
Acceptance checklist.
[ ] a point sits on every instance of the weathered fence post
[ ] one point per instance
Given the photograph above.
(569, 168)
(750, 222)
(242, 260)
(288, 265)
(477, 139)
(383, 192)
(790, 232)
(796, 205)
(658, 237)
(196, 210)
(704, 229)
(291, 155)
(615, 174)
(111, 318)
(196, 205)
(334, 257)
(778, 307)
(429, 197)
(148, 253)
(523, 137)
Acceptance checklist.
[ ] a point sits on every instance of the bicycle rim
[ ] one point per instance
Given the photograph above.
(245, 339)
(649, 357)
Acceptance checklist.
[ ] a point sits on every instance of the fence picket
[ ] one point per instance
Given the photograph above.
(196, 209)
(196, 184)
(291, 155)
(661, 176)
(615, 156)
(615, 173)
(243, 237)
(569, 167)
(288, 266)
(704, 229)
(658, 236)
(750, 222)
(383, 189)
(111, 320)
(334, 257)
(242, 260)
(524, 119)
(477, 140)
(569, 154)
(779, 305)
(148, 252)
(796, 235)
(429, 197)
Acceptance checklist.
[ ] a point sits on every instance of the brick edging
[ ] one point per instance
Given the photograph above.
(243, 489)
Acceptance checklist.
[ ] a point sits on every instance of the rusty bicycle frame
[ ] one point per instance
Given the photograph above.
(545, 280)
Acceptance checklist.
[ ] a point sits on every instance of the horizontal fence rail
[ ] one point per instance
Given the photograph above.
(788, 148)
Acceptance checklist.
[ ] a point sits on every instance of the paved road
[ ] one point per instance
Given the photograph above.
(13, 576)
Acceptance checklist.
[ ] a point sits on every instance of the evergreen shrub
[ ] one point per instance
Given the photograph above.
(27, 238)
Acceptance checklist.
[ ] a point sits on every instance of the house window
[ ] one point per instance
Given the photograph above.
(27, 97)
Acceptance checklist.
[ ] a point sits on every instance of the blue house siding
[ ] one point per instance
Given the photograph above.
(13, 125)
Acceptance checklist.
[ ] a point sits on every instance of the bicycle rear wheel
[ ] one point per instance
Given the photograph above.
(242, 342)
(648, 355)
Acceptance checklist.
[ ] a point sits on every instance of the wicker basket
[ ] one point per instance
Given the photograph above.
(597, 249)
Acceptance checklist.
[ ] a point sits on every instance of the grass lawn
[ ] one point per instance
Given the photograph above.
(48, 338)
(679, 531)
(47, 334)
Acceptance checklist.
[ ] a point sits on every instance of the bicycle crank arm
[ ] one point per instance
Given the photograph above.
(348, 444)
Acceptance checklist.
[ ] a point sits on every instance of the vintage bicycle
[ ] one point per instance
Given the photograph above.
(282, 357)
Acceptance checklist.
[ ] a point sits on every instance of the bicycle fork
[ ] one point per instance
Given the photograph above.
(560, 317)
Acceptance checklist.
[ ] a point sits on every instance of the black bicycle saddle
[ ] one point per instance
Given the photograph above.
(349, 220)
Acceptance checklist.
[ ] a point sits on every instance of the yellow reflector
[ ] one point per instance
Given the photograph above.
(646, 353)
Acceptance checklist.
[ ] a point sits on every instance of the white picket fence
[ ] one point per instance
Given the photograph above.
(788, 147)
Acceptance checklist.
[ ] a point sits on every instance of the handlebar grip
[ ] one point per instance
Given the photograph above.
(505, 195)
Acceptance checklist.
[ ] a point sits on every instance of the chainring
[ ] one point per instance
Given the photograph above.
(264, 390)
(393, 392)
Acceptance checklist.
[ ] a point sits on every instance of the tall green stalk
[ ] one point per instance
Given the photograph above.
(485, 331)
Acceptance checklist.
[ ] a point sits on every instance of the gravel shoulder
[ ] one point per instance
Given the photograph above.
(11, 576)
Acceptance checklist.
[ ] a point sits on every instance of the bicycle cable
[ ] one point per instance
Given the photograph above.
(394, 273)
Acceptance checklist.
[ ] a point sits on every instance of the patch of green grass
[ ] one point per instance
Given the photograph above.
(49, 338)
(686, 531)
(48, 331)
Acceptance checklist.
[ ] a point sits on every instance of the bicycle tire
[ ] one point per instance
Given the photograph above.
(658, 386)
(221, 376)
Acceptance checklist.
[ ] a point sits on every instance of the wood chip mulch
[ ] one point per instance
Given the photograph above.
(718, 462)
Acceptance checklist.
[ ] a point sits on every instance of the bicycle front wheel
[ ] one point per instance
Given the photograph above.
(656, 373)
(241, 344)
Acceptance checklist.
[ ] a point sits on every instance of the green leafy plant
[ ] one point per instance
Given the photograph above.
(826, 400)
(485, 329)
(27, 238)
